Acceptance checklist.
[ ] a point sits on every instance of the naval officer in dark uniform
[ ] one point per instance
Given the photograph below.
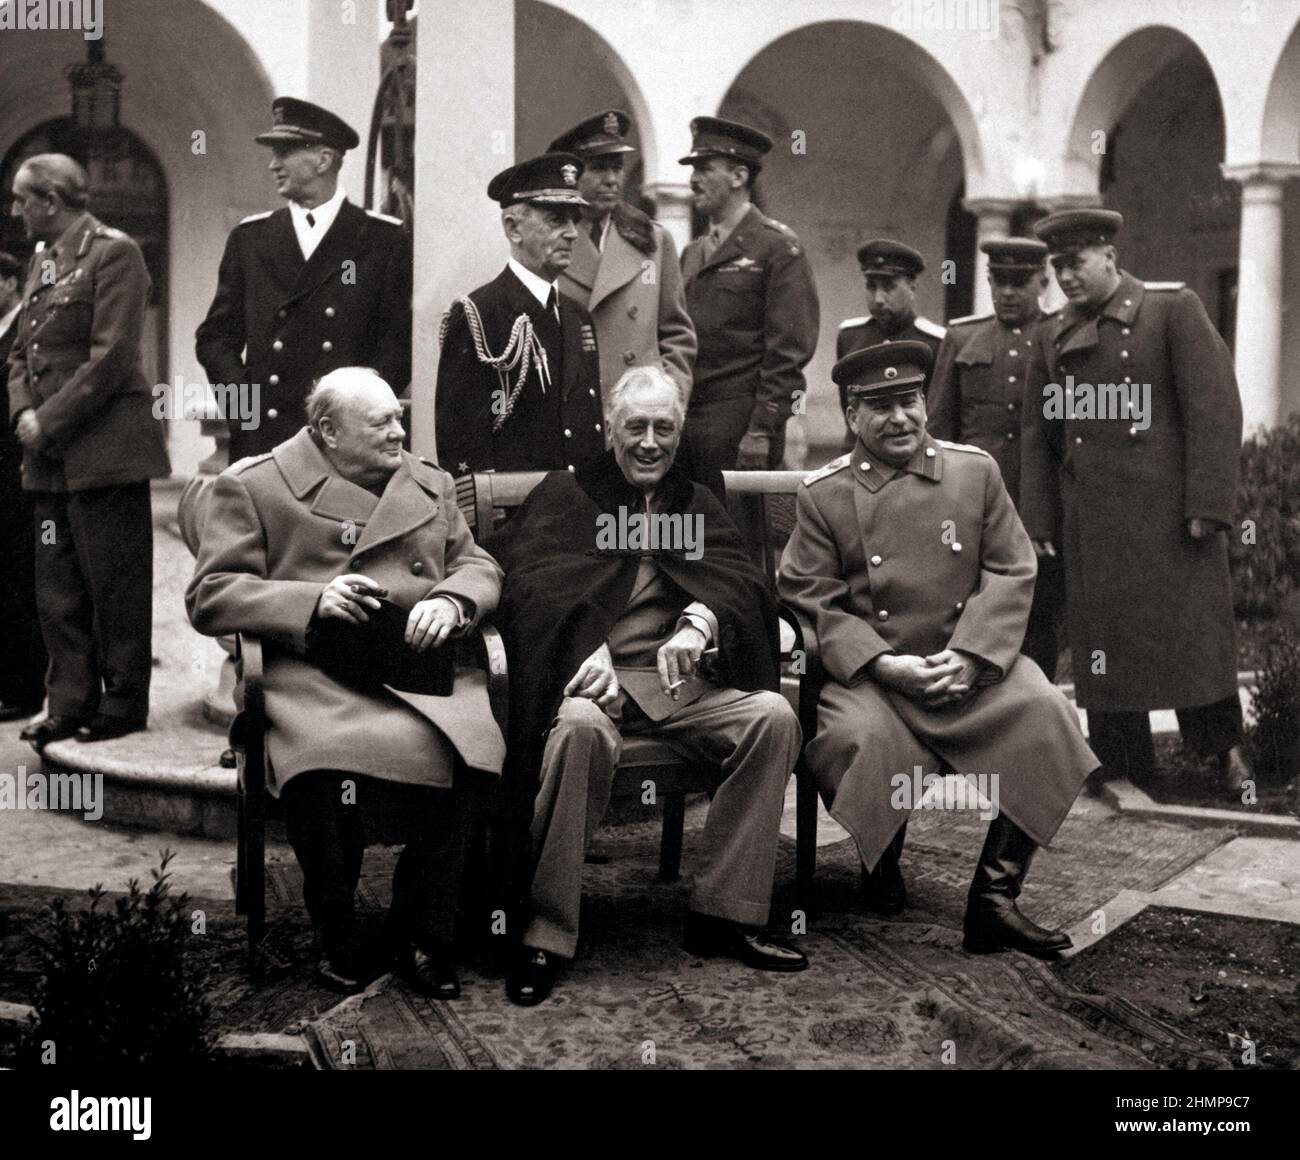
(989, 372)
(890, 270)
(316, 285)
(751, 294)
(519, 376)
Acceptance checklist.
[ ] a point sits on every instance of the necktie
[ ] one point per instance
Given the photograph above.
(553, 306)
(711, 243)
(597, 232)
(311, 221)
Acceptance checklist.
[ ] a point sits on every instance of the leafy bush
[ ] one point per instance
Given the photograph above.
(116, 985)
(1275, 739)
(1266, 571)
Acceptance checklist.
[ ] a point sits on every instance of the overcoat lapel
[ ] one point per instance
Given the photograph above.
(585, 265)
(282, 254)
(343, 240)
(409, 500)
(619, 264)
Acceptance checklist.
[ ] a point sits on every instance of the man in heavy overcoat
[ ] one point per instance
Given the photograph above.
(316, 531)
(1138, 439)
(909, 558)
(624, 268)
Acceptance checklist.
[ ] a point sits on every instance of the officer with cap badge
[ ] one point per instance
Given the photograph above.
(750, 290)
(989, 372)
(624, 269)
(519, 377)
(1139, 435)
(315, 285)
(890, 270)
(910, 560)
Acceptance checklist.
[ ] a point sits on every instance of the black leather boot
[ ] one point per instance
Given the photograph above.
(883, 889)
(993, 921)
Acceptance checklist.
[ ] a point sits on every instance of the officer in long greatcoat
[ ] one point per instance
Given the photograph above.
(84, 412)
(624, 269)
(519, 375)
(1140, 437)
(909, 558)
(315, 285)
(750, 291)
(991, 369)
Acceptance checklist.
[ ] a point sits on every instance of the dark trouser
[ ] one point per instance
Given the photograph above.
(328, 834)
(1046, 628)
(712, 440)
(22, 651)
(1122, 740)
(94, 592)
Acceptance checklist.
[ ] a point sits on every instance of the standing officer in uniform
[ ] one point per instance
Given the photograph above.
(519, 377)
(890, 270)
(750, 290)
(316, 285)
(83, 411)
(1146, 492)
(991, 369)
(624, 268)
(908, 556)
(22, 652)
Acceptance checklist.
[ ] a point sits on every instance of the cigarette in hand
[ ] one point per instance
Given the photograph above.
(677, 684)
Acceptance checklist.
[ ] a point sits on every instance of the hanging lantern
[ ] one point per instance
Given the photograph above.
(96, 92)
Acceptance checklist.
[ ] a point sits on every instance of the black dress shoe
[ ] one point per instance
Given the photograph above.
(339, 976)
(988, 930)
(532, 976)
(101, 728)
(50, 729)
(707, 936)
(18, 712)
(432, 973)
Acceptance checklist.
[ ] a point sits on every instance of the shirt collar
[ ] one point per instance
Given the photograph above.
(538, 287)
(323, 214)
(875, 473)
(727, 226)
(64, 240)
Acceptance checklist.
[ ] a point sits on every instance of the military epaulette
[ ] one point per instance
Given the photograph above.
(1165, 285)
(967, 319)
(925, 326)
(963, 447)
(103, 231)
(256, 217)
(829, 469)
(855, 322)
(383, 217)
(780, 227)
(242, 465)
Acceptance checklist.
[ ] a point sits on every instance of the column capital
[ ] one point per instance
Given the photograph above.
(1261, 172)
(667, 194)
(1067, 201)
(991, 206)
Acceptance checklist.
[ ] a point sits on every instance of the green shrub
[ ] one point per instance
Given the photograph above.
(1275, 738)
(1266, 571)
(116, 983)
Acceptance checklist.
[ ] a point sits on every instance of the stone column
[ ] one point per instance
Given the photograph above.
(994, 221)
(1259, 289)
(464, 135)
(673, 202)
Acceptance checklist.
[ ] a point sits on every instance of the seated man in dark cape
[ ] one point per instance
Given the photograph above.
(619, 578)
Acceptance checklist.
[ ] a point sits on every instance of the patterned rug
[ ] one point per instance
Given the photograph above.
(879, 994)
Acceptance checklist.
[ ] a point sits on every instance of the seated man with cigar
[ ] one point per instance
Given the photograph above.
(619, 579)
(350, 558)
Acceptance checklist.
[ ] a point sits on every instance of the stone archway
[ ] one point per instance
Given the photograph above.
(846, 166)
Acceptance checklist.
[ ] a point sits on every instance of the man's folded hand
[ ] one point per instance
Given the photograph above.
(431, 622)
(596, 679)
(347, 597)
(679, 657)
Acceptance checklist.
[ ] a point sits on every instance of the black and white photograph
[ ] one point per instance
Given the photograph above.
(650, 535)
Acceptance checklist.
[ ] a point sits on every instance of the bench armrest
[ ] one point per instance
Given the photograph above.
(483, 647)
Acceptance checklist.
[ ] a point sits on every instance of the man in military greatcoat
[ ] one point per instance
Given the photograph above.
(317, 284)
(908, 556)
(83, 411)
(990, 369)
(1139, 434)
(750, 291)
(519, 375)
(624, 268)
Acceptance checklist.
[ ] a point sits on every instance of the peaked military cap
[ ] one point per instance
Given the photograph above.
(598, 136)
(551, 179)
(714, 137)
(886, 256)
(1071, 230)
(888, 368)
(1016, 255)
(307, 124)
